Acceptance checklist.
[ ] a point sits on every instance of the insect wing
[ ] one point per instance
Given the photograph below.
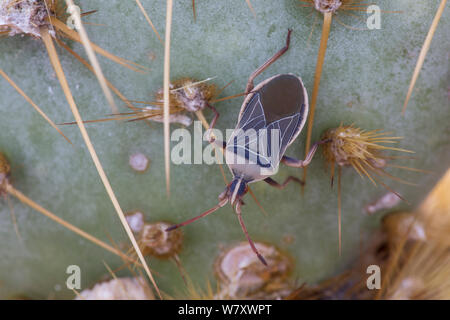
(259, 142)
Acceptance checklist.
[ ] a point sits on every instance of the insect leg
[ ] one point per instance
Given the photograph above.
(291, 162)
(211, 137)
(218, 143)
(277, 185)
(250, 241)
(204, 214)
(267, 64)
(216, 116)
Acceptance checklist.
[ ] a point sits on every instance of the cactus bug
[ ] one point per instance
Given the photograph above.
(277, 107)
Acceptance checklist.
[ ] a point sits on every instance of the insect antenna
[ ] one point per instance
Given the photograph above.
(204, 214)
(250, 241)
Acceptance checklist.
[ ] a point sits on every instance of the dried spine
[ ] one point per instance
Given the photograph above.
(5, 170)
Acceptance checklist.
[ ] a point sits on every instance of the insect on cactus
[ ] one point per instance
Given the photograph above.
(230, 55)
(276, 107)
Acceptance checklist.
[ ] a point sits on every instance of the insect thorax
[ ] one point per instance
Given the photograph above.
(250, 171)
